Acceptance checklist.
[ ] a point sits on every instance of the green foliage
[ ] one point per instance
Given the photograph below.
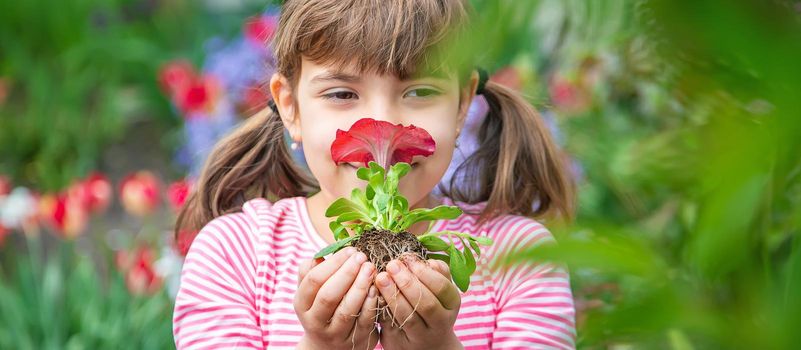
(380, 206)
(66, 303)
(461, 263)
(79, 73)
(687, 233)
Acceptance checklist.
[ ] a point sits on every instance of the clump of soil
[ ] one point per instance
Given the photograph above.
(381, 246)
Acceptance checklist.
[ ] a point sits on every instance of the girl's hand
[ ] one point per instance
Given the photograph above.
(426, 288)
(335, 302)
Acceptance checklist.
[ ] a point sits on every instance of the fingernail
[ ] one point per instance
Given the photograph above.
(349, 250)
(382, 280)
(372, 292)
(393, 267)
(360, 257)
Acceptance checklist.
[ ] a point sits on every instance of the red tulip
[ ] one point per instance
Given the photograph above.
(177, 193)
(176, 76)
(3, 233)
(255, 98)
(92, 193)
(98, 188)
(508, 76)
(184, 241)
(382, 142)
(139, 193)
(568, 97)
(199, 96)
(137, 266)
(65, 213)
(5, 185)
(260, 29)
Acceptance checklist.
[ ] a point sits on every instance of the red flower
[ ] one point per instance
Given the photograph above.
(139, 193)
(3, 233)
(176, 76)
(184, 241)
(199, 96)
(65, 213)
(177, 193)
(98, 189)
(508, 76)
(189, 92)
(255, 98)
(5, 185)
(382, 142)
(568, 97)
(92, 193)
(260, 29)
(140, 275)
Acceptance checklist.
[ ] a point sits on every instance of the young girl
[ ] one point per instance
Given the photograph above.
(248, 280)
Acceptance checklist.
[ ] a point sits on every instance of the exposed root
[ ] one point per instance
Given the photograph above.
(383, 246)
(414, 309)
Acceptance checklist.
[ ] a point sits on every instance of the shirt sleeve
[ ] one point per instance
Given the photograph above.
(215, 305)
(534, 302)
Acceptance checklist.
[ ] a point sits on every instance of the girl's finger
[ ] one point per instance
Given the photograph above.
(441, 267)
(304, 268)
(423, 301)
(441, 286)
(366, 320)
(333, 291)
(315, 278)
(402, 311)
(344, 318)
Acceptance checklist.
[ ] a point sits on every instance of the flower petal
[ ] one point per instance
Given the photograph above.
(380, 141)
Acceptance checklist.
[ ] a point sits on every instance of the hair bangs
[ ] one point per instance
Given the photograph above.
(403, 38)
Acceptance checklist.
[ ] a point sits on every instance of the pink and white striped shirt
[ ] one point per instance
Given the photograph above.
(240, 275)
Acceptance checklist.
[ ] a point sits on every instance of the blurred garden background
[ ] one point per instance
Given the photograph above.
(682, 121)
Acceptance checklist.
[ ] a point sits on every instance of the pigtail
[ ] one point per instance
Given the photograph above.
(253, 161)
(517, 168)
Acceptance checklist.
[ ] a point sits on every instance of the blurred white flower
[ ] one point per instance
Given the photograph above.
(168, 268)
(17, 207)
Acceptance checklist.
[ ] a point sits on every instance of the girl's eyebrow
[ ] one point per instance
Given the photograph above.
(330, 76)
(349, 78)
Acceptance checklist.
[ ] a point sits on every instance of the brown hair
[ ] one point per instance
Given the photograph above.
(401, 37)
(516, 166)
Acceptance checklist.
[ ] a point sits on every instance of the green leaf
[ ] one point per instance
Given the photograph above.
(424, 214)
(334, 247)
(380, 202)
(474, 245)
(434, 243)
(483, 240)
(350, 217)
(470, 261)
(403, 204)
(458, 267)
(339, 231)
(358, 197)
(393, 177)
(377, 176)
(442, 257)
(364, 173)
(344, 205)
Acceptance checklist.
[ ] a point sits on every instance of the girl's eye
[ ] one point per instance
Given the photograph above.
(423, 93)
(340, 95)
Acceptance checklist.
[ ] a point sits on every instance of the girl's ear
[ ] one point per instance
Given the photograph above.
(284, 100)
(468, 93)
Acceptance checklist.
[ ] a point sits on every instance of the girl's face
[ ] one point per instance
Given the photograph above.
(329, 98)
